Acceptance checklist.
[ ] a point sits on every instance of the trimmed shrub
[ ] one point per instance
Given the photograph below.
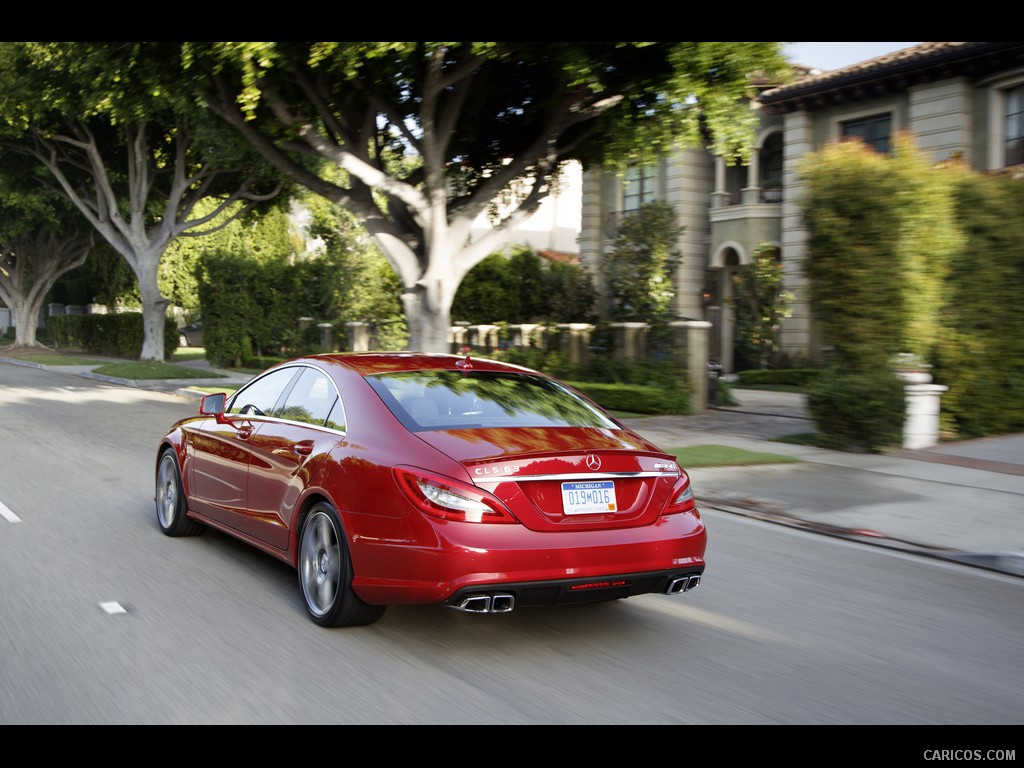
(858, 411)
(118, 335)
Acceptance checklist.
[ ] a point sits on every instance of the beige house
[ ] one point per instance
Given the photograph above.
(961, 99)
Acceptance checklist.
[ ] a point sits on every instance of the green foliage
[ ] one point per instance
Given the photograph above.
(430, 134)
(639, 272)
(636, 399)
(853, 268)
(693, 456)
(115, 335)
(981, 351)
(104, 278)
(253, 290)
(793, 377)
(245, 307)
(571, 294)
(522, 287)
(485, 294)
(760, 303)
(860, 411)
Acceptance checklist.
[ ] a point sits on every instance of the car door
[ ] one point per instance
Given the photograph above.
(280, 450)
(223, 451)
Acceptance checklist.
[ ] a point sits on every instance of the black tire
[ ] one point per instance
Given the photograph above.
(325, 573)
(170, 499)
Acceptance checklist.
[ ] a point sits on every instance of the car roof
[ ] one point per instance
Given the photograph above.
(368, 363)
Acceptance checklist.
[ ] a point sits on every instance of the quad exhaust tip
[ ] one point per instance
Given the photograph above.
(682, 584)
(498, 603)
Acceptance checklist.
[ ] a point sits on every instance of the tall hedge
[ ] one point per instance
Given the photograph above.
(981, 354)
(910, 256)
(853, 264)
(115, 335)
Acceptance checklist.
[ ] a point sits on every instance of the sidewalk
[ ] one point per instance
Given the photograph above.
(961, 501)
(958, 501)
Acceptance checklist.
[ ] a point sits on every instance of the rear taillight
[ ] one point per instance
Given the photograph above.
(682, 497)
(448, 499)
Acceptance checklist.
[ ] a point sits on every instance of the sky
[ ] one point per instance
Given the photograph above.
(838, 55)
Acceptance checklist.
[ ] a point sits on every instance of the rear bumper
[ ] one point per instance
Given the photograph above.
(503, 598)
(470, 559)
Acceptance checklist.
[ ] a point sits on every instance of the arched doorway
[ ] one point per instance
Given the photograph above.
(718, 295)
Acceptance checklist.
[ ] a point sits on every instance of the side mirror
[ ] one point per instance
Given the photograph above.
(213, 405)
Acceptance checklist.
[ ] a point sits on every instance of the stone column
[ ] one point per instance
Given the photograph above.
(575, 341)
(921, 428)
(458, 337)
(358, 336)
(630, 340)
(692, 342)
(326, 336)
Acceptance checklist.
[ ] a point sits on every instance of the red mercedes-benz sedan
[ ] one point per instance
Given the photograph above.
(401, 478)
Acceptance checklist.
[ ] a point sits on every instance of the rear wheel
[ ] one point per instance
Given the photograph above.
(325, 573)
(170, 499)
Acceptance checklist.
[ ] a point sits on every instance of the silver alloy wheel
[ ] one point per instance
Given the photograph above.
(320, 562)
(168, 490)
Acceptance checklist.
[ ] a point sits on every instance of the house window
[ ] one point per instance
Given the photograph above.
(1014, 131)
(873, 131)
(639, 187)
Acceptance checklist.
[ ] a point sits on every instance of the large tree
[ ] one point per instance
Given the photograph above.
(41, 239)
(113, 130)
(428, 135)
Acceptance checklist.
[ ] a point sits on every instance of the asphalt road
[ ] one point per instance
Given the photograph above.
(106, 621)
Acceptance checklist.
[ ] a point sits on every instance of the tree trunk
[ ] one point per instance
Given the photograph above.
(428, 321)
(25, 318)
(154, 306)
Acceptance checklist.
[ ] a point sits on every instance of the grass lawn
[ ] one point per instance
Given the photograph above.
(140, 370)
(725, 456)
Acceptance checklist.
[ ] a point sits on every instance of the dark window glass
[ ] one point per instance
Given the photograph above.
(311, 400)
(425, 400)
(260, 397)
(639, 187)
(1014, 131)
(874, 131)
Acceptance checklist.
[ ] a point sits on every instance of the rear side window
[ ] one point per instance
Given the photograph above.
(425, 400)
(313, 399)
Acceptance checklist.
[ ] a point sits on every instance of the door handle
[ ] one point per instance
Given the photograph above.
(304, 448)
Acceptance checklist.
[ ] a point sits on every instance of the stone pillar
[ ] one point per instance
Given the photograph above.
(576, 341)
(326, 336)
(527, 335)
(458, 337)
(95, 309)
(485, 337)
(630, 341)
(692, 340)
(921, 427)
(358, 336)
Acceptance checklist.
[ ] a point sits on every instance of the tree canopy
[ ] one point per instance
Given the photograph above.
(419, 138)
(112, 127)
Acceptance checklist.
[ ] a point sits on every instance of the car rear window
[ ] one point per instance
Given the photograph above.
(426, 400)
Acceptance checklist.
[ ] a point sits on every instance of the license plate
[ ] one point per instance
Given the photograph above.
(589, 498)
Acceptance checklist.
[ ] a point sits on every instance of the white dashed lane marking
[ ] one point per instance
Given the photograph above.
(110, 608)
(7, 515)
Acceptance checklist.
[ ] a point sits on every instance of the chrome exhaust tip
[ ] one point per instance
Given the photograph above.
(503, 603)
(682, 584)
(499, 603)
